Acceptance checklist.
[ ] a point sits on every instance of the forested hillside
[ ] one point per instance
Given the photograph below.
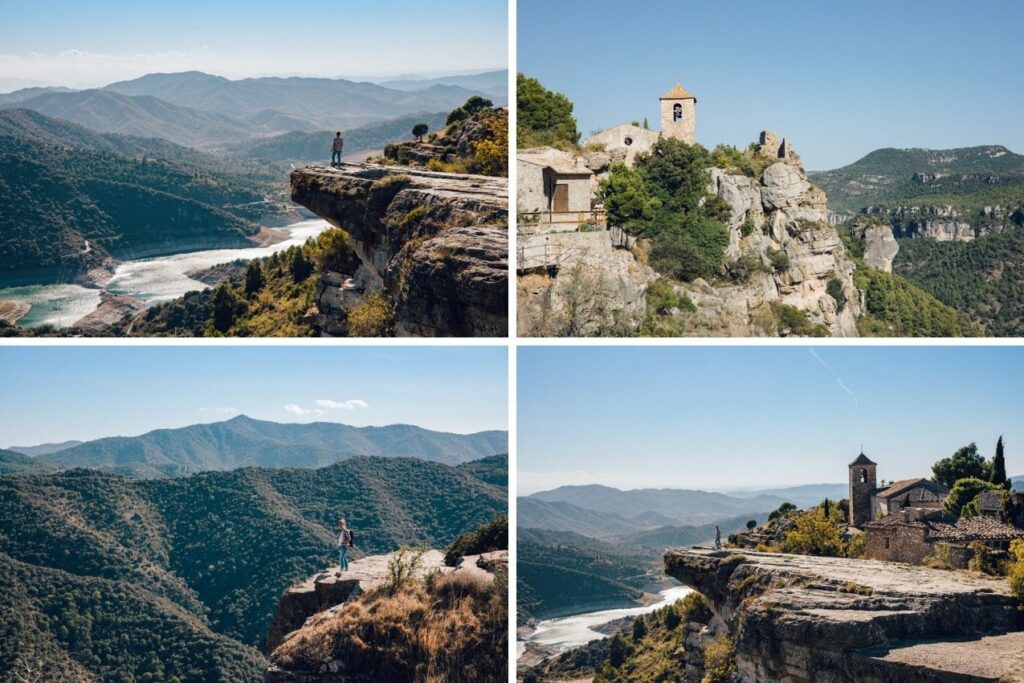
(114, 578)
(73, 198)
(245, 442)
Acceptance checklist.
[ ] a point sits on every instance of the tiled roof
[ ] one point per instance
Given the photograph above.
(978, 528)
(678, 93)
(899, 487)
(947, 528)
(862, 460)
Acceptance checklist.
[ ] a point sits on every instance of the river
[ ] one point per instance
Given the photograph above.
(152, 280)
(565, 633)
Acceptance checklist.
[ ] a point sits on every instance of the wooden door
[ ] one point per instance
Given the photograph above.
(561, 199)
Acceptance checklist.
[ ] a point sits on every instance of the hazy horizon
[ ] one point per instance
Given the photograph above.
(376, 80)
(735, 417)
(838, 80)
(81, 393)
(88, 45)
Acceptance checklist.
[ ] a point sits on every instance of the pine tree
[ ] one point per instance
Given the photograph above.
(999, 466)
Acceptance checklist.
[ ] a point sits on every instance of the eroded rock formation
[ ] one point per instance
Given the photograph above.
(796, 618)
(435, 244)
(780, 232)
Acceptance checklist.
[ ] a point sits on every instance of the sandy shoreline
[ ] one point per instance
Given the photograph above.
(13, 311)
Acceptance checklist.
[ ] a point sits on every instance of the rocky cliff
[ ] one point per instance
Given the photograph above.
(308, 640)
(796, 619)
(780, 226)
(434, 244)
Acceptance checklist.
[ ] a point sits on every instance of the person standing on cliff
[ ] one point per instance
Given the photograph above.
(718, 537)
(345, 538)
(336, 146)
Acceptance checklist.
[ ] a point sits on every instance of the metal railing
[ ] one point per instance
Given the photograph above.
(560, 219)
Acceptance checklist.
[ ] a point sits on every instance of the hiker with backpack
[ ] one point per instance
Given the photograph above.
(336, 146)
(718, 537)
(346, 540)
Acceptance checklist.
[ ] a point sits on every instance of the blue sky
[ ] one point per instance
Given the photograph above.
(839, 79)
(731, 417)
(85, 44)
(53, 394)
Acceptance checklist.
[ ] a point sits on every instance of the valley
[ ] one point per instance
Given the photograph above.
(185, 573)
(170, 175)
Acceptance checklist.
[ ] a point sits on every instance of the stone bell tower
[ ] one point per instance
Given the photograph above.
(862, 488)
(679, 115)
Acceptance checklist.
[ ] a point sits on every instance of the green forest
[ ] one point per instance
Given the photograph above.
(62, 186)
(179, 578)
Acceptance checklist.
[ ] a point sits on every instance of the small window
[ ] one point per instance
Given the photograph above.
(863, 476)
(628, 141)
(886, 543)
(677, 112)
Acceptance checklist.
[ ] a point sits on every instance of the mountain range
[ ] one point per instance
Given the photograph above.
(108, 578)
(205, 111)
(915, 175)
(658, 507)
(958, 216)
(245, 442)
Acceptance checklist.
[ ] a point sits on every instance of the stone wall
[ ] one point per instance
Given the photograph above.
(685, 129)
(897, 543)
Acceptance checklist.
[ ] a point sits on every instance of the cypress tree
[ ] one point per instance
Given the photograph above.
(999, 466)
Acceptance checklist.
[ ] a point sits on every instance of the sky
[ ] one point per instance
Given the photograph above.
(838, 79)
(757, 417)
(88, 44)
(59, 393)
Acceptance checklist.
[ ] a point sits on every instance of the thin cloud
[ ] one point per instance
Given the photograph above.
(323, 406)
(350, 404)
(839, 380)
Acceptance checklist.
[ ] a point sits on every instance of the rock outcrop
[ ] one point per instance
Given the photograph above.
(322, 596)
(780, 231)
(880, 246)
(578, 283)
(796, 618)
(435, 244)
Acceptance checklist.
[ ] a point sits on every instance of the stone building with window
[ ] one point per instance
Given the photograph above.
(910, 535)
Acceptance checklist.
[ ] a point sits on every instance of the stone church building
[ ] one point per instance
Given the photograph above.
(903, 521)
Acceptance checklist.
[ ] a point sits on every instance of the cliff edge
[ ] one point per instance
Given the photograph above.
(798, 618)
(435, 245)
(363, 625)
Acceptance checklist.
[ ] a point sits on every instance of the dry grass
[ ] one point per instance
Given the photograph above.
(448, 628)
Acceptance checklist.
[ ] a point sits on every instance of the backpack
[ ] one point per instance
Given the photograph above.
(351, 538)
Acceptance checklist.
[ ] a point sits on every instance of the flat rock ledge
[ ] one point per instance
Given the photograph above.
(329, 591)
(435, 243)
(797, 618)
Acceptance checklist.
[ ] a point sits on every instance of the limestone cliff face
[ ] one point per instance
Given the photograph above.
(578, 283)
(796, 618)
(435, 244)
(779, 212)
(946, 223)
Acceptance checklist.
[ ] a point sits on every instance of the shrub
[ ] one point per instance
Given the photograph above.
(374, 318)
(834, 289)
(391, 180)
(403, 565)
(751, 524)
(794, 322)
(419, 130)
(543, 117)
(814, 534)
(778, 259)
(941, 557)
(856, 546)
(1015, 571)
(719, 660)
(747, 228)
(491, 536)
